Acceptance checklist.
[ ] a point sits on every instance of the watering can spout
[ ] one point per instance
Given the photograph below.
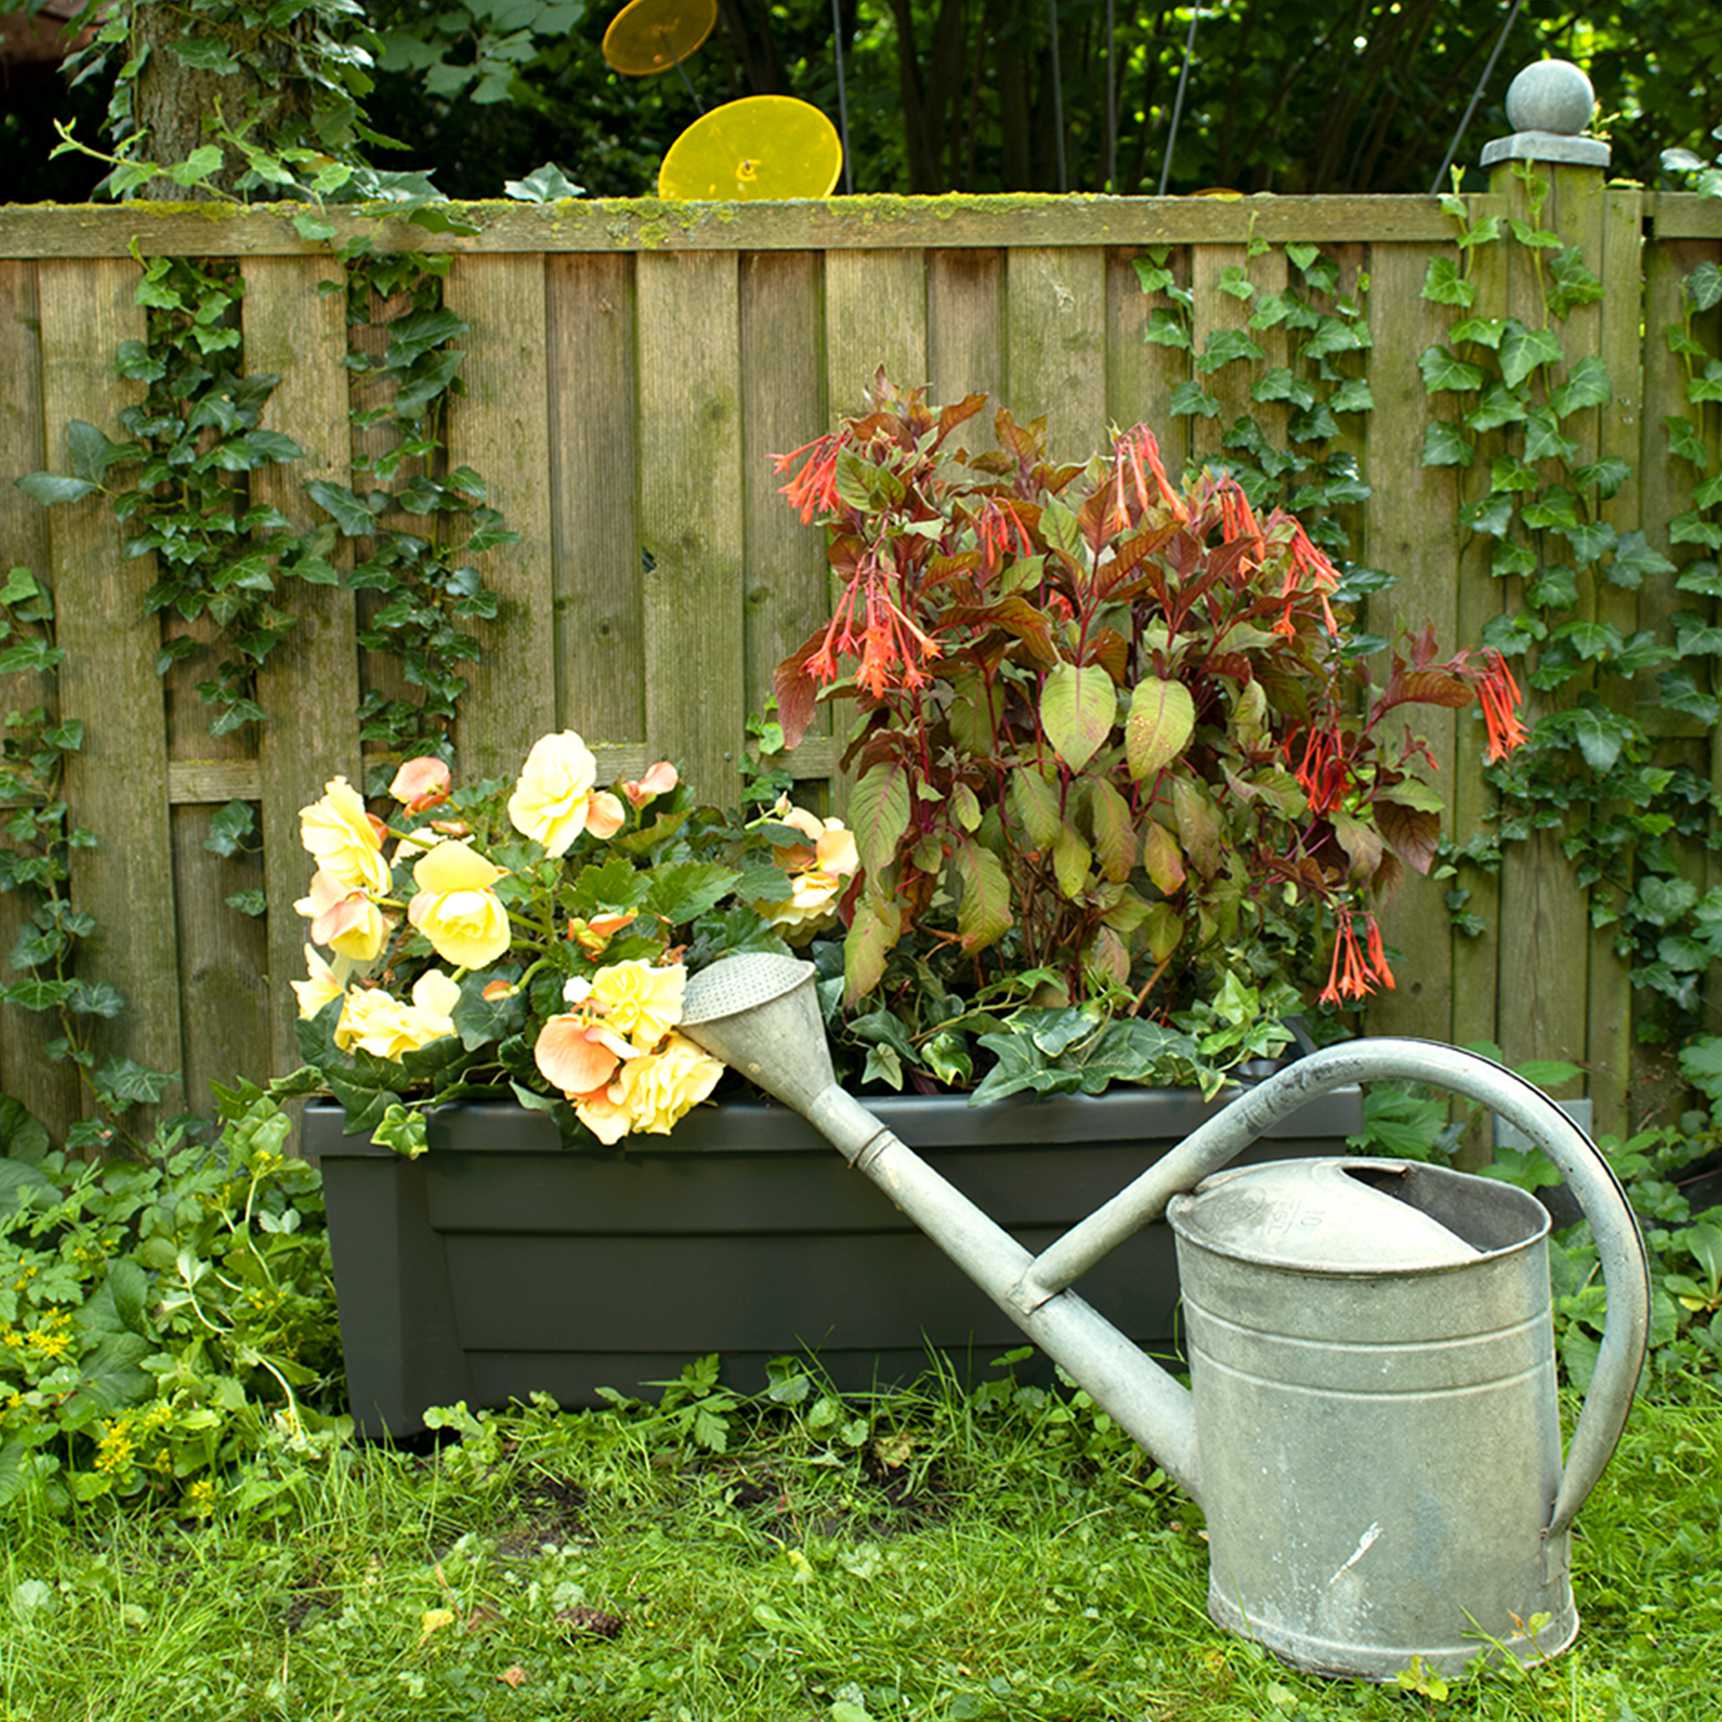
(760, 1015)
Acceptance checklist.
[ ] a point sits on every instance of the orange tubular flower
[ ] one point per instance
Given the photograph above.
(1498, 694)
(1356, 971)
(813, 490)
(1321, 773)
(893, 650)
(1237, 518)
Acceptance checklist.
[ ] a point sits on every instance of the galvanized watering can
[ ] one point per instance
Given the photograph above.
(1372, 1428)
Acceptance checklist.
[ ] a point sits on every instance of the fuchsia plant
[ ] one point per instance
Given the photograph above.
(1111, 746)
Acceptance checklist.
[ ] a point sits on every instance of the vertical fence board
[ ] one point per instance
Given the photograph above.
(310, 688)
(1413, 533)
(1055, 313)
(117, 783)
(1621, 269)
(50, 1091)
(783, 407)
(501, 428)
(1545, 936)
(875, 314)
(1140, 376)
(691, 513)
(1475, 959)
(965, 350)
(598, 632)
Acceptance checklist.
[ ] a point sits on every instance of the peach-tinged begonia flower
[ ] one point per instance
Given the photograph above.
(421, 783)
(592, 936)
(639, 1000)
(553, 797)
(344, 919)
(456, 909)
(498, 989)
(340, 834)
(658, 1090)
(659, 779)
(577, 1055)
(605, 815)
(324, 982)
(817, 873)
(602, 1116)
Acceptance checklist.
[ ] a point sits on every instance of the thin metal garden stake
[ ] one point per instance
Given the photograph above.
(842, 94)
(1178, 100)
(1057, 97)
(1111, 96)
(1373, 1428)
(1476, 96)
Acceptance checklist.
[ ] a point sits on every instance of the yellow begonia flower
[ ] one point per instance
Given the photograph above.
(345, 920)
(456, 909)
(339, 832)
(379, 1023)
(812, 897)
(658, 1090)
(434, 997)
(553, 796)
(602, 1116)
(639, 1000)
(323, 983)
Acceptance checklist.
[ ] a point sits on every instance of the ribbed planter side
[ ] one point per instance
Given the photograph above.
(501, 1263)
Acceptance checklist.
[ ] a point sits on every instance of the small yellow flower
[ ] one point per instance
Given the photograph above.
(456, 909)
(658, 1090)
(379, 1023)
(323, 983)
(434, 997)
(347, 845)
(552, 799)
(200, 1498)
(638, 1000)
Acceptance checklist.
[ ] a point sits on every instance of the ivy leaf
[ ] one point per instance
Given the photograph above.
(1493, 515)
(1480, 331)
(1605, 476)
(1226, 347)
(1589, 640)
(1352, 396)
(1524, 350)
(546, 184)
(1499, 406)
(984, 910)
(1445, 445)
(1704, 286)
(1190, 397)
(1077, 709)
(1702, 578)
(1556, 507)
(1572, 282)
(1443, 372)
(1444, 285)
(1512, 558)
(52, 488)
(1554, 589)
(1509, 474)
(197, 167)
(1591, 540)
(1599, 742)
(229, 827)
(1166, 329)
(351, 515)
(1587, 385)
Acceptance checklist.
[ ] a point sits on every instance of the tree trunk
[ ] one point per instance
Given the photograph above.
(176, 105)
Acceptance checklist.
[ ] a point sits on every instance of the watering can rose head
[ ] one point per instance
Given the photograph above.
(536, 937)
(1122, 748)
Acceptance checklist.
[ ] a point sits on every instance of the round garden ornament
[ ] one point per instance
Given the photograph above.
(651, 36)
(759, 148)
(1550, 96)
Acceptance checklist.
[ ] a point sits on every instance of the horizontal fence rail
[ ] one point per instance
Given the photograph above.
(629, 369)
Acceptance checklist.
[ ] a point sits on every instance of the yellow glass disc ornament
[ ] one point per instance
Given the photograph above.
(650, 36)
(760, 147)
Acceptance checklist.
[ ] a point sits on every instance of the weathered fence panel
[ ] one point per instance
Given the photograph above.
(631, 368)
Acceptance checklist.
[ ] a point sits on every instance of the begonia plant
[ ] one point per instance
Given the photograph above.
(537, 939)
(1128, 785)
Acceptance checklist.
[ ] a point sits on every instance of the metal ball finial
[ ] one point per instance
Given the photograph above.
(1551, 96)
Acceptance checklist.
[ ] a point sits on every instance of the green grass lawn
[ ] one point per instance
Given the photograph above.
(925, 1555)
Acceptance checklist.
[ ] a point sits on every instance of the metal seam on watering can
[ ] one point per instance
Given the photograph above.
(1409, 1496)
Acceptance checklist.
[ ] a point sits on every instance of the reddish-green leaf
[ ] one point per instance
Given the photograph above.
(1070, 857)
(1161, 859)
(1198, 826)
(796, 690)
(1362, 843)
(1412, 832)
(879, 814)
(1034, 801)
(984, 911)
(1077, 708)
(1114, 835)
(877, 926)
(1162, 716)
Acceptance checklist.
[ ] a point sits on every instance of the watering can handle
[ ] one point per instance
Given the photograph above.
(1619, 1242)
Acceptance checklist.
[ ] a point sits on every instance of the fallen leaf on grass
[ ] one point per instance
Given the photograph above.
(515, 1676)
(434, 1620)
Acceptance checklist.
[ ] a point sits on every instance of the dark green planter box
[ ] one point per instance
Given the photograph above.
(501, 1263)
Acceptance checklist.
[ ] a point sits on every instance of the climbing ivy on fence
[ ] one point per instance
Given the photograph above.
(1509, 395)
(36, 862)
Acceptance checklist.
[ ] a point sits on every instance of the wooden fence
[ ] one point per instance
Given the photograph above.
(630, 366)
